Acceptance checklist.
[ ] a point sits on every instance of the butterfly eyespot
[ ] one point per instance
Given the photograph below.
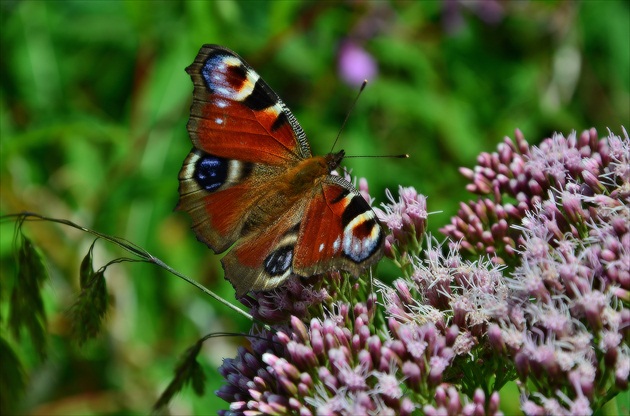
(361, 237)
(279, 262)
(211, 172)
(228, 78)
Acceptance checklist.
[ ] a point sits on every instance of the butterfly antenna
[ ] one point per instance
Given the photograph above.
(401, 156)
(354, 103)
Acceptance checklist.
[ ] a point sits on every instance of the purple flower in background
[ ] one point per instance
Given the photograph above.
(355, 64)
(489, 11)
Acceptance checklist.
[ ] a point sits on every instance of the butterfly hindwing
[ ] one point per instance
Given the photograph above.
(264, 259)
(219, 195)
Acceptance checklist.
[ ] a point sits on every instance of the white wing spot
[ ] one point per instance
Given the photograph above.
(224, 92)
(218, 120)
(336, 244)
(321, 247)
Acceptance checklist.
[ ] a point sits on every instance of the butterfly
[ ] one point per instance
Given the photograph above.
(253, 188)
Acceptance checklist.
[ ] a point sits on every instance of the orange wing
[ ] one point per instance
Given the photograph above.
(236, 115)
(339, 231)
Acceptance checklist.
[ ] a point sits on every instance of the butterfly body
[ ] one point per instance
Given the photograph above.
(251, 184)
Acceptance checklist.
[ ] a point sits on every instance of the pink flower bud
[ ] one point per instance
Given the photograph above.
(592, 181)
(454, 402)
(317, 342)
(299, 329)
(287, 385)
(365, 360)
(412, 373)
(522, 365)
(326, 377)
(406, 407)
(467, 173)
(374, 347)
(622, 371)
(388, 247)
(493, 405)
(451, 335)
(496, 338)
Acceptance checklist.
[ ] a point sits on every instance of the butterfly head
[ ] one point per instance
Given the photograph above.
(334, 159)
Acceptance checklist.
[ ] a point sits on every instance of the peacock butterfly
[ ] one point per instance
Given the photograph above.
(251, 184)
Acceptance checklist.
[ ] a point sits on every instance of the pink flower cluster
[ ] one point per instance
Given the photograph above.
(532, 285)
(515, 178)
(343, 365)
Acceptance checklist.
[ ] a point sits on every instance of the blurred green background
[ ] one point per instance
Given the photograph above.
(93, 114)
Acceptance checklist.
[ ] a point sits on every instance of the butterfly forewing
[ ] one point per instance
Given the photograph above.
(236, 115)
(252, 186)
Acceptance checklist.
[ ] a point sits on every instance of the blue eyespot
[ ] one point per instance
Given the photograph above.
(278, 262)
(211, 172)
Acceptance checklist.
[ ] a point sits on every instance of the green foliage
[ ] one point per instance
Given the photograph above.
(188, 371)
(494, 373)
(88, 311)
(26, 306)
(12, 378)
(86, 271)
(93, 108)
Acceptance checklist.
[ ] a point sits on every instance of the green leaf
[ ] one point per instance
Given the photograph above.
(26, 307)
(89, 309)
(86, 271)
(188, 371)
(12, 378)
